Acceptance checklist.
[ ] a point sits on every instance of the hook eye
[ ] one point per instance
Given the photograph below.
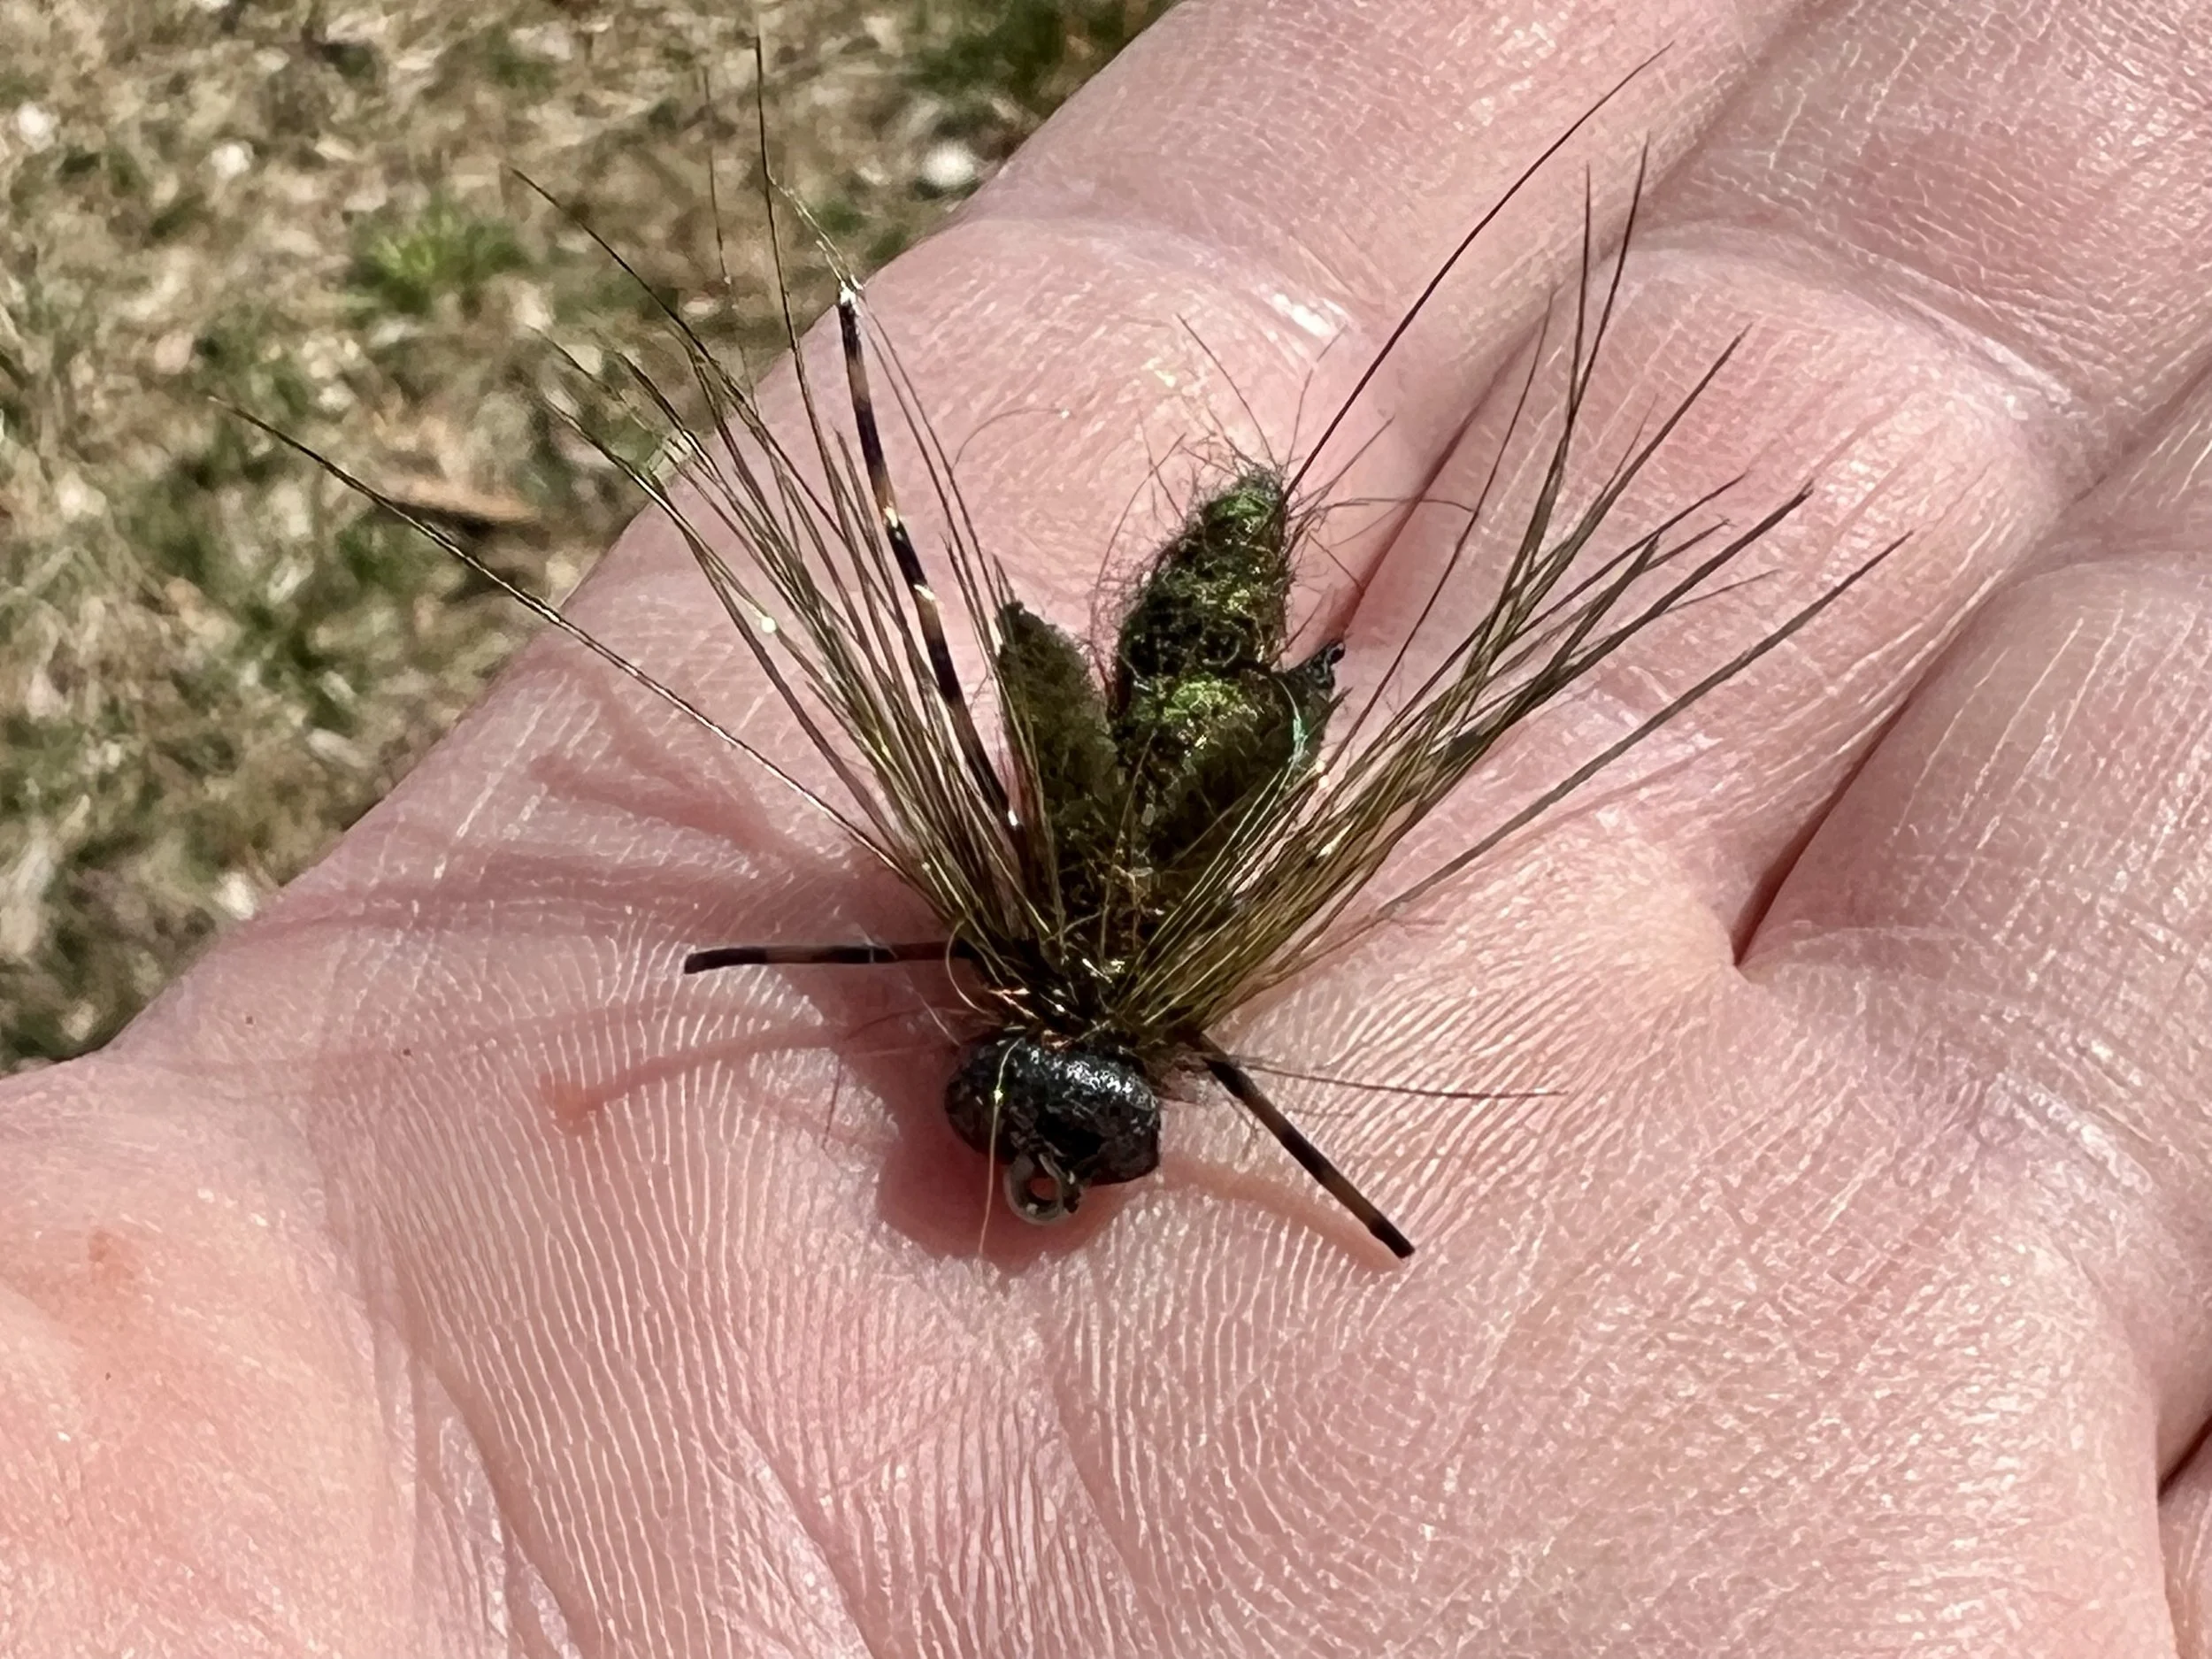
(1038, 1191)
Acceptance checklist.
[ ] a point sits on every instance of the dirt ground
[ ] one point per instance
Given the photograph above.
(213, 658)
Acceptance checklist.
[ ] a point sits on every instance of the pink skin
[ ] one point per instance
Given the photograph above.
(434, 1272)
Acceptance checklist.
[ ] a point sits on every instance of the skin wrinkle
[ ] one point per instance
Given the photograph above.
(850, 1595)
(447, 1490)
(525, 1543)
(632, 1440)
(1135, 1583)
(563, 1394)
(1982, 783)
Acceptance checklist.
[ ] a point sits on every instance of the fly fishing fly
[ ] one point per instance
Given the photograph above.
(1163, 832)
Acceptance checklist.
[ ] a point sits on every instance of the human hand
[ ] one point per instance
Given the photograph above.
(435, 1272)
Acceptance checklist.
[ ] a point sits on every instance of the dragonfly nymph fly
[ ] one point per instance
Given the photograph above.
(1189, 817)
(1168, 833)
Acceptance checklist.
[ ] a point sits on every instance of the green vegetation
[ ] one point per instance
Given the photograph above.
(410, 265)
(213, 658)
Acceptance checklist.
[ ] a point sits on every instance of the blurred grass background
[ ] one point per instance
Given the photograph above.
(212, 659)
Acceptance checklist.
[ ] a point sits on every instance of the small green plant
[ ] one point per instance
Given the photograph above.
(408, 267)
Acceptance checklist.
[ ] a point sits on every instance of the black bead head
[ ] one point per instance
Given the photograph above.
(1061, 1120)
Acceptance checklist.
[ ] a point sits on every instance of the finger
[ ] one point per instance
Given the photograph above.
(2012, 895)
(1953, 247)
(2020, 867)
